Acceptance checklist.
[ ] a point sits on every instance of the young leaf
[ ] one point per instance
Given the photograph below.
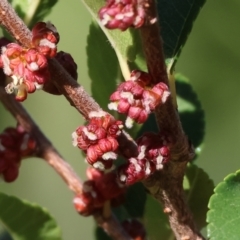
(224, 205)
(199, 189)
(176, 21)
(127, 44)
(102, 66)
(27, 221)
(40, 10)
(32, 11)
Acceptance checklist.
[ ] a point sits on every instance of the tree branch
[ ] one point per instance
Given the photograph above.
(167, 185)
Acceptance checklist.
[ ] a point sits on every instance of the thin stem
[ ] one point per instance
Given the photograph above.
(45, 150)
(14, 25)
(112, 227)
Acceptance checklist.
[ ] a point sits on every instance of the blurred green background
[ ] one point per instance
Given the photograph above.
(210, 59)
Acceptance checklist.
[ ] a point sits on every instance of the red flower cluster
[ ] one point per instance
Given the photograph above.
(15, 144)
(28, 66)
(98, 139)
(68, 63)
(96, 191)
(153, 154)
(122, 14)
(136, 99)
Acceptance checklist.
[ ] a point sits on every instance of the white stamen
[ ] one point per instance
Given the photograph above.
(33, 66)
(137, 20)
(10, 88)
(109, 155)
(159, 166)
(129, 14)
(129, 122)
(106, 19)
(119, 16)
(47, 43)
(136, 76)
(74, 139)
(78, 201)
(16, 80)
(99, 165)
(146, 105)
(152, 21)
(97, 114)
(90, 135)
(136, 165)
(128, 96)
(148, 169)
(159, 160)
(38, 86)
(113, 106)
(165, 96)
(141, 155)
(123, 178)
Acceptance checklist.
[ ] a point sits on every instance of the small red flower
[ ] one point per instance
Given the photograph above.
(137, 99)
(98, 139)
(100, 187)
(122, 14)
(15, 144)
(28, 67)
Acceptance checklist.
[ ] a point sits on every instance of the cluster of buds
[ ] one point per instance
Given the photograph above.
(28, 66)
(137, 99)
(15, 144)
(99, 189)
(122, 14)
(68, 63)
(153, 151)
(135, 229)
(99, 139)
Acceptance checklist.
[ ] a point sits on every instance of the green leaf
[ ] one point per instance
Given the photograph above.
(102, 66)
(27, 221)
(176, 21)
(100, 234)
(199, 188)
(32, 11)
(191, 112)
(127, 44)
(135, 200)
(224, 205)
(155, 220)
(41, 10)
